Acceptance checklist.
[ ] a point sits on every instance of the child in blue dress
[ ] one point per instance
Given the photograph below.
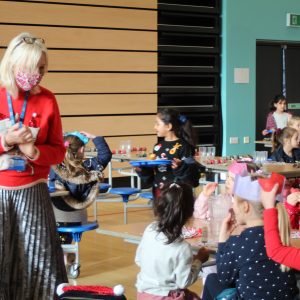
(242, 261)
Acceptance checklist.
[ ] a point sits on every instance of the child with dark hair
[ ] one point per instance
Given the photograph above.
(277, 117)
(80, 177)
(167, 263)
(177, 144)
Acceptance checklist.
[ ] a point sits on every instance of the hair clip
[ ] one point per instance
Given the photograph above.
(278, 131)
(174, 184)
(66, 144)
(182, 119)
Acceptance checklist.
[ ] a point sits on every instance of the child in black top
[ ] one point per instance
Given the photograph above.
(177, 144)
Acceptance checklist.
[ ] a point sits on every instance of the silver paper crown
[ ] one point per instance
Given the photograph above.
(246, 188)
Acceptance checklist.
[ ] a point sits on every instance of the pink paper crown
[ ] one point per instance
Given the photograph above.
(238, 169)
(246, 188)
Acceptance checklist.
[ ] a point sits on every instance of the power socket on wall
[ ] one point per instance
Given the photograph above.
(246, 139)
(233, 140)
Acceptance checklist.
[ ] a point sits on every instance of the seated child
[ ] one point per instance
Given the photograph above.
(201, 206)
(166, 260)
(286, 145)
(276, 249)
(242, 261)
(80, 177)
(294, 122)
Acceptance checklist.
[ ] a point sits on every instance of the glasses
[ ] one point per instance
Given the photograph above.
(30, 40)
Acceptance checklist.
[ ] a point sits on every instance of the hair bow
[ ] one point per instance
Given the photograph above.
(182, 119)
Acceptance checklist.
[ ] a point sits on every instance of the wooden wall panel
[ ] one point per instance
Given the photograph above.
(107, 104)
(150, 4)
(86, 60)
(100, 82)
(86, 16)
(102, 62)
(85, 38)
(111, 125)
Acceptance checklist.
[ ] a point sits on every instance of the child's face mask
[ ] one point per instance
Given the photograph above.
(26, 81)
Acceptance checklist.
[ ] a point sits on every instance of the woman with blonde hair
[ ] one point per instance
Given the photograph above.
(31, 264)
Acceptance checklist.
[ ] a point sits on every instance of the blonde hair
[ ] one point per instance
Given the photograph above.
(283, 222)
(284, 230)
(292, 120)
(20, 55)
(279, 136)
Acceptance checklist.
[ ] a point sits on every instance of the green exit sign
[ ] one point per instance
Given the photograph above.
(293, 105)
(293, 20)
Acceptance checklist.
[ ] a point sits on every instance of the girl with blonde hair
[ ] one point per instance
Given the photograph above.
(242, 261)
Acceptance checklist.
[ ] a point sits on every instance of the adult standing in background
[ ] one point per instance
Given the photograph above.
(31, 258)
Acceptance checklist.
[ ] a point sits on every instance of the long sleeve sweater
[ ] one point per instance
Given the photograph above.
(49, 141)
(164, 267)
(288, 256)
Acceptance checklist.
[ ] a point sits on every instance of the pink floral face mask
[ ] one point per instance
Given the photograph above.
(26, 81)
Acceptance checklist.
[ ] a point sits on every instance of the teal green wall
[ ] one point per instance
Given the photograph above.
(243, 23)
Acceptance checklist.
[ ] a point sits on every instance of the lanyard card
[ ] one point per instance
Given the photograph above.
(17, 164)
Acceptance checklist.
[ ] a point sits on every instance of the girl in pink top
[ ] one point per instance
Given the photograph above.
(201, 206)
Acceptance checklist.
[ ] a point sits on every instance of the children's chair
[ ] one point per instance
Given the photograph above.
(73, 269)
(103, 189)
(125, 193)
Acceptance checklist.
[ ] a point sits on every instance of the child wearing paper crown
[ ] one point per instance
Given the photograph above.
(201, 206)
(242, 261)
(80, 177)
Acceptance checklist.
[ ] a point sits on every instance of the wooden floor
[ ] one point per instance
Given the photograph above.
(109, 260)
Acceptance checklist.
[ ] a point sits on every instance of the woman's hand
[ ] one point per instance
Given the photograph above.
(176, 163)
(88, 135)
(268, 198)
(28, 149)
(17, 136)
(293, 199)
(209, 188)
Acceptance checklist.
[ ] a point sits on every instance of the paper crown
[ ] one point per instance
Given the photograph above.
(238, 169)
(82, 137)
(267, 184)
(246, 188)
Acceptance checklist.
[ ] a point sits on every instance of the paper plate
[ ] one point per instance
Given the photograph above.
(150, 163)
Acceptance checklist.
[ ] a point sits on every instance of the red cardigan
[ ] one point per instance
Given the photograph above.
(288, 256)
(49, 140)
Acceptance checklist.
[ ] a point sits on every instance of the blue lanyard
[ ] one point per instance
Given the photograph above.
(11, 111)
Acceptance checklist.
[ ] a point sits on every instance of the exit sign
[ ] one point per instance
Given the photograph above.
(293, 105)
(293, 20)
